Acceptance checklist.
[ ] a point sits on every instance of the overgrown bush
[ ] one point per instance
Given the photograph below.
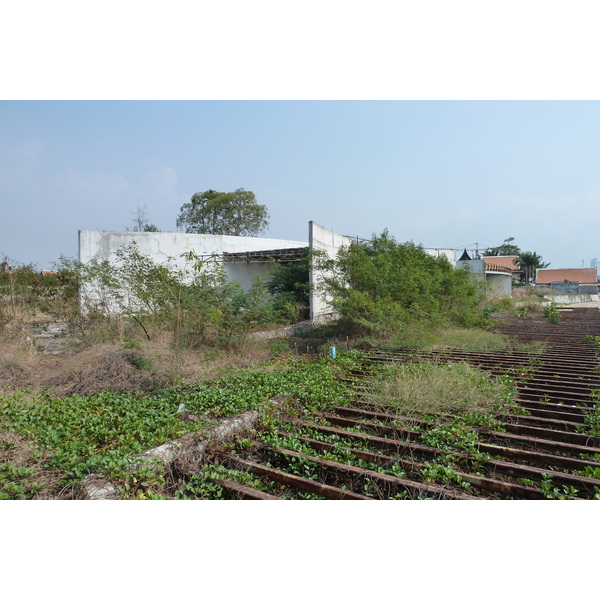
(551, 313)
(380, 285)
(194, 302)
(289, 287)
(25, 291)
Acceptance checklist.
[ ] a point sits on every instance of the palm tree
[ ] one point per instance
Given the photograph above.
(529, 262)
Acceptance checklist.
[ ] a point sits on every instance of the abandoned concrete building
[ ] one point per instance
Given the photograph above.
(242, 258)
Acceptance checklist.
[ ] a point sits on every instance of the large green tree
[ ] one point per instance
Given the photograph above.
(507, 248)
(224, 213)
(529, 262)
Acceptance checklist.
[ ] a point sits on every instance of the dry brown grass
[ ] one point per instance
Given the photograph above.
(100, 368)
(520, 294)
(98, 365)
(18, 362)
(204, 361)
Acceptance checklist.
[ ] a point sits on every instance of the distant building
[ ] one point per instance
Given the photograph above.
(439, 252)
(568, 281)
(505, 262)
(499, 277)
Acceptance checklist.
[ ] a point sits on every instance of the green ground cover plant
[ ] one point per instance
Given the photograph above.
(101, 433)
(466, 397)
(592, 416)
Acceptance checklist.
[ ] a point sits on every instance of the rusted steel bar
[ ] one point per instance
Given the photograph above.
(414, 468)
(495, 466)
(544, 362)
(560, 386)
(547, 405)
(397, 445)
(392, 431)
(568, 437)
(242, 492)
(368, 414)
(578, 439)
(510, 420)
(398, 483)
(537, 442)
(293, 481)
(574, 413)
(537, 397)
(555, 393)
(588, 485)
(540, 458)
(549, 424)
(559, 415)
(547, 459)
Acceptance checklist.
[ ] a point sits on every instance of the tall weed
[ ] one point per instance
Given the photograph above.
(431, 388)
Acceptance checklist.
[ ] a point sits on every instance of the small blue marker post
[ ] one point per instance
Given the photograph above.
(332, 351)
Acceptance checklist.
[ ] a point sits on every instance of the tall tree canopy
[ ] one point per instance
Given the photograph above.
(224, 213)
(504, 249)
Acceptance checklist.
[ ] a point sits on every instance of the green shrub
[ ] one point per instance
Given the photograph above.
(380, 285)
(551, 313)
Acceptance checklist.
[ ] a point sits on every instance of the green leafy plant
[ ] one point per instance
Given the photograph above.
(380, 285)
(101, 433)
(552, 313)
(439, 472)
(556, 493)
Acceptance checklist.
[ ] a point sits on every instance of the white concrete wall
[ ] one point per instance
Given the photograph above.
(328, 241)
(476, 266)
(163, 246)
(449, 254)
(573, 298)
(501, 283)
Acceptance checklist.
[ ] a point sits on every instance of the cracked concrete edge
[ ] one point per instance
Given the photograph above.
(96, 488)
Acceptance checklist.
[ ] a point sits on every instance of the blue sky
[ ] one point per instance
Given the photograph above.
(445, 174)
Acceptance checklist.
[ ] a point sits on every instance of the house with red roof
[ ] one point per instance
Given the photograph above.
(568, 281)
(504, 263)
